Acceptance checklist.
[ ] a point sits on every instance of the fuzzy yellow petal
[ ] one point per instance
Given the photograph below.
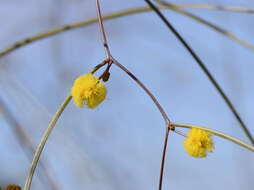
(198, 143)
(89, 90)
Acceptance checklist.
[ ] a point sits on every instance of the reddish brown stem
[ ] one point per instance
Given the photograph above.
(105, 44)
(164, 115)
(163, 158)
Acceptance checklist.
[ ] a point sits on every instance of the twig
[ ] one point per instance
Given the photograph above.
(75, 25)
(161, 111)
(164, 115)
(43, 142)
(163, 158)
(99, 65)
(205, 70)
(105, 44)
(220, 134)
(210, 6)
(114, 61)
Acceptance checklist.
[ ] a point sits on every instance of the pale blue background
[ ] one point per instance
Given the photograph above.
(118, 145)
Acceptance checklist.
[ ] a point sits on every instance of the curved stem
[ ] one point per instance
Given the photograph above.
(164, 115)
(43, 141)
(220, 134)
(205, 70)
(163, 158)
(91, 21)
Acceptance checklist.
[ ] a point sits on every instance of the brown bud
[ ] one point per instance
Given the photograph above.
(106, 77)
(13, 187)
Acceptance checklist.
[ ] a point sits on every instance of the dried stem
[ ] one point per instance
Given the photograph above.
(42, 143)
(220, 134)
(75, 25)
(205, 70)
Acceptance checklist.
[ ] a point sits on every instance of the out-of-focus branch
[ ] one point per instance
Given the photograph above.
(210, 6)
(204, 69)
(208, 24)
(24, 141)
(126, 12)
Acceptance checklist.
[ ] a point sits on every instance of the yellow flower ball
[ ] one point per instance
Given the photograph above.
(198, 143)
(89, 90)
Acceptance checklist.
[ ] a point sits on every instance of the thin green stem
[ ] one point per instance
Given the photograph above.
(126, 12)
(220, 134)
(204, 69)
(43, 142)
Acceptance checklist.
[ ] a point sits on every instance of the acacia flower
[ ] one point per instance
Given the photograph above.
(198, 143)
(89, 90)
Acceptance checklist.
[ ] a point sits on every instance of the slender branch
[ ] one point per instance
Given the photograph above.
(164, 115)
(167, 121)
(205, 70)
(208, 24)
(43, 142)
(104, 39)
(210, 6)
(75, 25)
(220, 134)
(163, 158)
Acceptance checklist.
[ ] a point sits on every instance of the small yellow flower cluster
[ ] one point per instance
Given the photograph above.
(89, 90)
(198, 143)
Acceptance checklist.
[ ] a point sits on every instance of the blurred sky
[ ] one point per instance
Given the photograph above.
(118, 145)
